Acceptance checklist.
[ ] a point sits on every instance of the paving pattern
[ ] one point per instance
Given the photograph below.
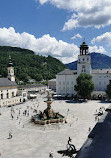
(36, 141)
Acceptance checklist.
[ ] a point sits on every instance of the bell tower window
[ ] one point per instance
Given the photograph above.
(84, 49)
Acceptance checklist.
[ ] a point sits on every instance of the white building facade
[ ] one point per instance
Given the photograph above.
(9, 93)
(66, 80)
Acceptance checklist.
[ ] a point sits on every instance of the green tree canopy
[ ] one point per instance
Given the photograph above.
(29, 65)
(38, 77)
(108, 91)
(84, 86)
(24, 77)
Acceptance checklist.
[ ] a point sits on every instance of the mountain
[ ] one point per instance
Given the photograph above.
(29, 65)
(98, 61)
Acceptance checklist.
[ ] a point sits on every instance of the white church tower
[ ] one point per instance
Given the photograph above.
(84, 60)
(10, 69)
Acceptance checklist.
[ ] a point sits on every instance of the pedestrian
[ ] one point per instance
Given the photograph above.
(51, 154)
(28, 113)
(12, 116)
(10, 135)
(19, 112)
(89, 129)
(19, 121)
(25, 112)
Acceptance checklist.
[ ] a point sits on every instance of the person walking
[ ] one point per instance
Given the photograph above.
(50, 154)
(10, 135)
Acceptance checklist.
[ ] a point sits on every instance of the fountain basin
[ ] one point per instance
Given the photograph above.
(37, 120)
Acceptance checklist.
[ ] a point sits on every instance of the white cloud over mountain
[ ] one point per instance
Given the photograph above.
(45, 45)
(86, 13)
(76, 36)
(96, 49)
(106, 37)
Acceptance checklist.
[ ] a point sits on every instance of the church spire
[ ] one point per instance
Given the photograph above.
(10, 64)
(10, 70)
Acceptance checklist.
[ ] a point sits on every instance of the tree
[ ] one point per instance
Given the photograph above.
(84, 86)
(38, 77)
(108, 91)
(23, 77)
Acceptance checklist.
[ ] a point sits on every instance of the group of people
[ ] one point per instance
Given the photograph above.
(99, 113)
(18, 113)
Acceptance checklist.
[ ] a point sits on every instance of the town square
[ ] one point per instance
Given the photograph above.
(33, 140)
(55, 79)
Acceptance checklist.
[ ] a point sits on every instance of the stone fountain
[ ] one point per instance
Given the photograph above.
(48, 115)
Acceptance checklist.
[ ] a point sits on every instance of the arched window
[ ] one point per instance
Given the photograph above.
(7, 95)
(12, 94)
(2, 96)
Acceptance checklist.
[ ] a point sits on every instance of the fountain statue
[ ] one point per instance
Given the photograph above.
(48, 115)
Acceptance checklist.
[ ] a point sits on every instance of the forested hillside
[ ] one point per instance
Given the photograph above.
(28, 65)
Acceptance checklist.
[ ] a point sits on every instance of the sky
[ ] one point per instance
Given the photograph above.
(56, 27)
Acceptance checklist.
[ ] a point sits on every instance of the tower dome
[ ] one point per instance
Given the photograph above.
(84, 49)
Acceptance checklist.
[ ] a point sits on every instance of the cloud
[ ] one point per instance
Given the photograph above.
(42, 1)
(106, 37)
(86, 13)
(45, 45)
(77, 35)
(96, 49)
